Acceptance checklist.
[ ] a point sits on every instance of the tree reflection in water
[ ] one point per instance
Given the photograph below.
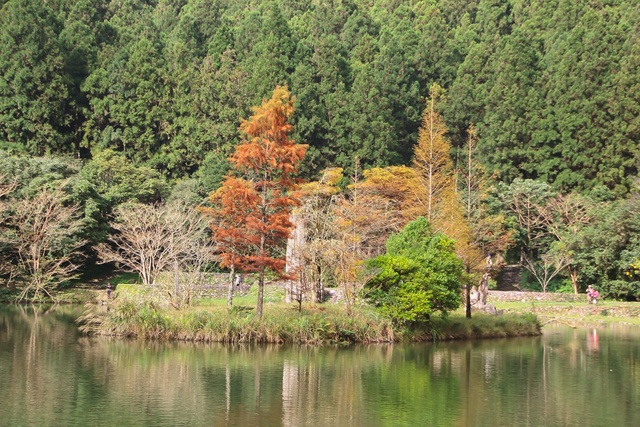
(50, 374)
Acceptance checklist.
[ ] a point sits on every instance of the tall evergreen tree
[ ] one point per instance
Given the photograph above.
(34, 85)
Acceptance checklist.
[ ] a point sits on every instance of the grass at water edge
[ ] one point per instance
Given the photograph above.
(281, 323)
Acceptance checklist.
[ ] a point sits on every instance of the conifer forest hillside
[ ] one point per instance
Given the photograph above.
(552, 86)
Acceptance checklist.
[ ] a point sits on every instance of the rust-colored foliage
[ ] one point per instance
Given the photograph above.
(233, 203)
(251, 217)
(267, 150)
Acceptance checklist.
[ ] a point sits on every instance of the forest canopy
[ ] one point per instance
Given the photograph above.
(552, 87)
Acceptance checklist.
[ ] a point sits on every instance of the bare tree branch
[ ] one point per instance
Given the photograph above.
(149, 239)
(549, 266)
(42, 231)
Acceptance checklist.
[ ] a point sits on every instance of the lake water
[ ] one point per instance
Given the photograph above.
(52, 375)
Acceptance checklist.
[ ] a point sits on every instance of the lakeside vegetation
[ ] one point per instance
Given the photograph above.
(387, 180)
(284, 323)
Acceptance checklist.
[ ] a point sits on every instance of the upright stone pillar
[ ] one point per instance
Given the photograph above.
(295, 245)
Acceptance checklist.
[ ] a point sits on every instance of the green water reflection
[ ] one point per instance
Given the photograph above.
(51, 375)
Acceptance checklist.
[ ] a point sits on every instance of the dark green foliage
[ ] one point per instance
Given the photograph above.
(620, 289)
(117, 180)
(211, 174)
(34, 173)
(34, 90)
(108, 180)
(606, 249)
(551, 86)
(419, 274)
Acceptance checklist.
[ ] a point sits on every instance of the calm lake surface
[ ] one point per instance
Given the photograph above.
(52, 375)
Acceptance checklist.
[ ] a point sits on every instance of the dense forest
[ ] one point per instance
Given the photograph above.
(141, 101)
(552, 87)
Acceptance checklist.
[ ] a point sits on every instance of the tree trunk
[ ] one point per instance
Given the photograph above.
(232, 277)
(295, 243)
(318, 290)
(260, 293)
(177, 280)
(263, 238)
(573, 274)
(468, 302)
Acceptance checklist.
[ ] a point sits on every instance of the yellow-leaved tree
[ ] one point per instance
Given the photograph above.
(398, 186)
(432, 161)
(441, 203)
(312, 249)
(337, 231)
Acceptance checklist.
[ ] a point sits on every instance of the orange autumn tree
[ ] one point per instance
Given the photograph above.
(234, 202)
(252, 214)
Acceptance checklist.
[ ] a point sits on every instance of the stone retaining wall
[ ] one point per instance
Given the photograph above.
(512, 296)
(335, 295)
(223, 291)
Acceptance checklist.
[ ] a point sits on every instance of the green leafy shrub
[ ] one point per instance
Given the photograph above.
(620, 289)
(419, 274)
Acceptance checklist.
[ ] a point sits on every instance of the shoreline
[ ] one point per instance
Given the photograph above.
(283, 325)
(570, 307)
(525, 314)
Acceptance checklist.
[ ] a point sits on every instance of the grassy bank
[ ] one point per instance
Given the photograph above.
(577, 313)
(281, 323)
(480, 326)
(89, 288)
